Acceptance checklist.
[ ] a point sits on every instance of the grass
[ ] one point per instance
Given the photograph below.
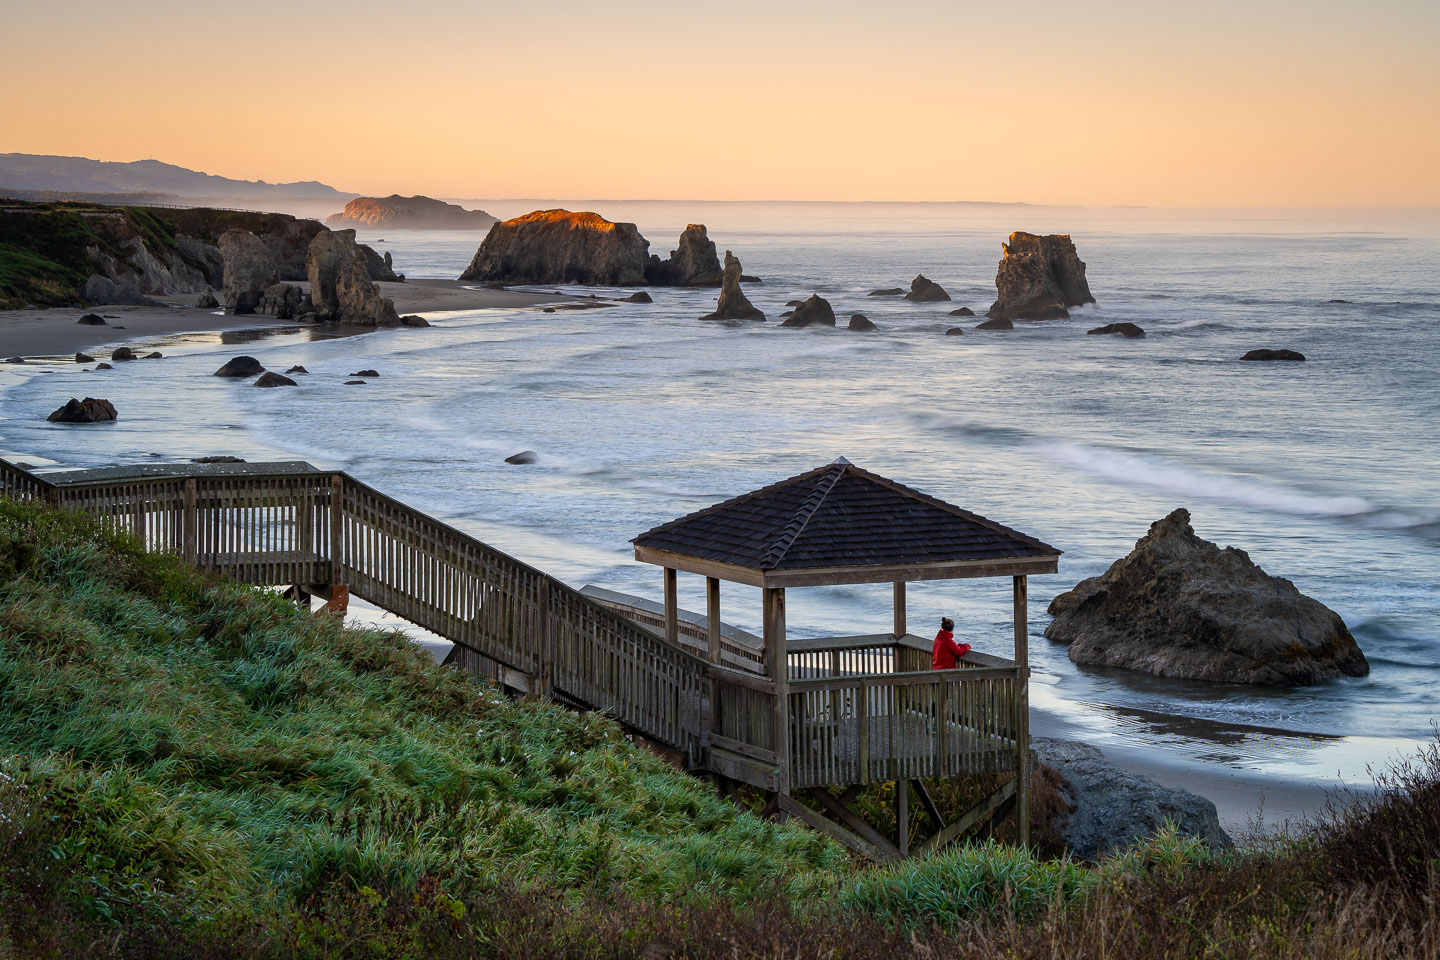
(191, 768)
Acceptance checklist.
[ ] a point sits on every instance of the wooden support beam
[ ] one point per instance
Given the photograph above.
(777, 661)
(1022, 713)
(976, 814)
(902, 816)
(848, 818)
(672, 607)
(831, 829)
(899, 609)
(712, 617)
(929, 805)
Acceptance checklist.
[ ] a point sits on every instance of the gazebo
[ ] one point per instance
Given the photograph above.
(799, 718)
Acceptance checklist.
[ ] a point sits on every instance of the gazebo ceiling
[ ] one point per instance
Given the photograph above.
(841, 524)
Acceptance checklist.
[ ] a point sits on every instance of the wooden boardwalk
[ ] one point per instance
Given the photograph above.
(859, 709)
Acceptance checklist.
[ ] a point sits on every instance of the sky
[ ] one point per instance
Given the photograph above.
(1263, 103)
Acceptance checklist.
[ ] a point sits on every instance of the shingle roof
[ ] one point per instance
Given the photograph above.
(839, 516)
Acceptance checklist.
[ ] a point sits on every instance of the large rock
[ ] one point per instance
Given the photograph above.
(1039, 278)
(925, 290)
(1111, 809)
(733, 305)
(692, 264)
(858, 321)
(409, 213)
(207, 301)
(89, 410)
(282, 301)
(815, 312)
(340, 286)
(249, 271)
(273, 379)
(1125, 328)
(379, 267)
(241, 367)
(1179, 606)
(102, 291)
(557, 246)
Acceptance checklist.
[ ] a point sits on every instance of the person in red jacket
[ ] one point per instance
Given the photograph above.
(946, 653)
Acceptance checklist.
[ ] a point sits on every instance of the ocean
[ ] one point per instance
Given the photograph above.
(1327, 472)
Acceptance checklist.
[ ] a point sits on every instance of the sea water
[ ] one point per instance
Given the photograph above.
(1327, 472)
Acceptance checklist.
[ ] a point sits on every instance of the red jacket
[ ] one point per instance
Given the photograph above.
(946, 651)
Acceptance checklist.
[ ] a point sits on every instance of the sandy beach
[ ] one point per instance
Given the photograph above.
(55, 332)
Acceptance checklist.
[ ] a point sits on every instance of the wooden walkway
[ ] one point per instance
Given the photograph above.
(859, 709)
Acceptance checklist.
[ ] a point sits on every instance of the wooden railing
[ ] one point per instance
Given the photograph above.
(740, 650)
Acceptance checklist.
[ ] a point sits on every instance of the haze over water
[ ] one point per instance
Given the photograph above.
(1326, 472)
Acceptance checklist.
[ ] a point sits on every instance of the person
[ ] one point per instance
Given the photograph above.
(946, 653)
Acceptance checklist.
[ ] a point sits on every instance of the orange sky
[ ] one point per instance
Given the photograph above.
(1226, 104)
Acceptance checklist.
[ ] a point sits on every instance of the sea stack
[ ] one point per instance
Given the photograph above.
(692, 263)
(249, 270)
(1039, 278)
(340, 286)
(733, 305)
(557, 246)
(1180, 606)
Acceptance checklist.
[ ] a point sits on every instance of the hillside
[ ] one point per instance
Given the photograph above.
(409, 213)
(191, 768)
(25, 171)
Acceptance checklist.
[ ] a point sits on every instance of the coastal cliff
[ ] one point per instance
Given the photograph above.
(409, 213)
(557, 246)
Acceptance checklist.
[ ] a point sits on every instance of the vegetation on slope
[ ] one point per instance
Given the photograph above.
(194, 768)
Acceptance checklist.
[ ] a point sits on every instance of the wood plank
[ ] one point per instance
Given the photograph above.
(831, 829)
(974, 815)
(848, 817)
(929, 805)
(758, 754)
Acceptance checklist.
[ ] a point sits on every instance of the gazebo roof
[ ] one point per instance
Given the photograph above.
(841, 524)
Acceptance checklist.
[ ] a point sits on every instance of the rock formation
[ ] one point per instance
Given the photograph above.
(639, 296)
(733, 305)
(1126, 329)
(366, 373)
(273, 379)
(298, 368)
(1292, 356)
(860, 322)
(524, 456)
(924, 290)
(1179, 606)
(413, 320)
(121, 353)
(409, 213)
(692, 264)
(813, 312)
(89, 410)
(84, 358)
(249, 270)
(282, 301)
(378, 267)
(241, 367)
(207, 301)
(962, 312)
(1039, 278)
(1111, 809)
(887, 292)
(996, 324)
(92, 320)
(340, 286)
(557, 246)
(955, 332)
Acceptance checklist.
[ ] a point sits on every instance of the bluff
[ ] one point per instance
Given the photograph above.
(1039, 278)
(557, 246)
(409, 213)
(1179, 606)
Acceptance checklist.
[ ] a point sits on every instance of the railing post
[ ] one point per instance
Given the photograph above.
(672, 607)
(337, 527)
(190, 526)
(1022, 712)
(774, 630)
(899, 609)
(712, 617)
(545, 682)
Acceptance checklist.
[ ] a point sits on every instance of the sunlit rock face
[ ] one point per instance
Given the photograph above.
(557, 246)
(413, 213)
(248, 271)
(340, 286)
(1039, 279)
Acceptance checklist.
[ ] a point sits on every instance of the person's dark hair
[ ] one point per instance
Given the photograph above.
(946, 623)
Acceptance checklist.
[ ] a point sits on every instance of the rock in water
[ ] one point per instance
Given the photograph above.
(91, 320)
(207, 301)
(122, 353)
(887, 292)
(89, 410)
(409, 213)
(273, 379)
(1266, 355)
(1111, 809)
(1179, 606)
(557, 246)
(366, 373)
(340, 286)
(217, 459)
(813, 312)
(639, 296)
(733, 305)
(923, 290)
(860, 322)
(524, 456)
(1129, 330)
(1038, 278)
(962, 312)
(103, 366)
(998, 324)
(297, 369)
(84, 358)
(692, 264)
(413, 320)
(241, 367)
(249, 270)
(955, 332)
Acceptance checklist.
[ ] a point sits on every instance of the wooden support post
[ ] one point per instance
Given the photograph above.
(902, 816)
(672, 607)
(545, 682)
(337, 527)
(778, 662)
(190, 526)
(712, 617)
(899, 609)
(929, 804)
(1022, 713)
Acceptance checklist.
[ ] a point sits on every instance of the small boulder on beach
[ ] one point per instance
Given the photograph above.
(996, 324)
(524, 456)
(925, 290)
(962, 312)
(89, 410)
(815, 312)
(273, 379)
(1179, 606)
(122, 353)
(1292, 356)
(860, 322)
(91, 320)
(1128, 330)
(84, 358)
(241, 367)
